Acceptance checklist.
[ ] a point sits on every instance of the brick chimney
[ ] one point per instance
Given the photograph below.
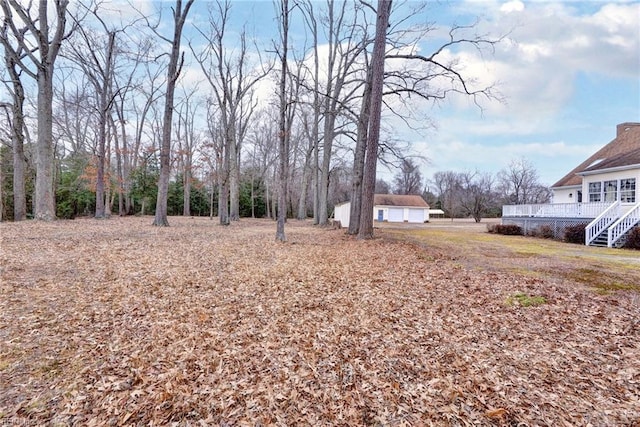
(624, 127)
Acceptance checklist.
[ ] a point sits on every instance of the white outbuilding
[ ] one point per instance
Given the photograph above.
(389, 208)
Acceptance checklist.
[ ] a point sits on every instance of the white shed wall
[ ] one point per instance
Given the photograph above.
(342, 213)
(391, 214)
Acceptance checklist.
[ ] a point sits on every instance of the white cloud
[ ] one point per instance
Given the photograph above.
(552, 159)
(548, 46)
(512, 6)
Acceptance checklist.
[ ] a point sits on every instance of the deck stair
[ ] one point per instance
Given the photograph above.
(614, 234)
(600, 240)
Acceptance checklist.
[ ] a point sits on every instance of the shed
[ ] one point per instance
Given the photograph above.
(409, 208)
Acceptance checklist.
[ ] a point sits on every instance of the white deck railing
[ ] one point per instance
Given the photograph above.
(624, 224)
(604, 220)
(557, 210)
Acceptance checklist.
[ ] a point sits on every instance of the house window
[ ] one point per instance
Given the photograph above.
(628, 190)
(595, 191)
(610, 191)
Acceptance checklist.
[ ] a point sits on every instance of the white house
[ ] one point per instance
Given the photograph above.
(391, 208)
(609, 175)
(603, 191)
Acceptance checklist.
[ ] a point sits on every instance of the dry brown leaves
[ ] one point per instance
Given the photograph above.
(120, 323)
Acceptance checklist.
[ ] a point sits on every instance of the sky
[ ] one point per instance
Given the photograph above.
(567, 72)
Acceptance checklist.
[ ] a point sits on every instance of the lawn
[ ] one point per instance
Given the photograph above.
(117, 322)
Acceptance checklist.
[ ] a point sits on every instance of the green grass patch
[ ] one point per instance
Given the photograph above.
(524, 300)
(600, 280)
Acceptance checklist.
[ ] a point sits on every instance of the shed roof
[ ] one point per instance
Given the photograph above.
(410, 200)
(624, 150)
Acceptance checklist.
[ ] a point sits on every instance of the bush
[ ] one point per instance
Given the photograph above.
(506, 229)
(575, 233)
(544, 232)
(633, 239)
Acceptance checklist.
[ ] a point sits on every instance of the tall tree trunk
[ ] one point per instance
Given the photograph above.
(327, 146)
(17, 138)
(120, 177)
(100, 158)
(45, 203)
(373, 136)
(186, 176)
(104, 86)
(304, 186)
(108, 198)
(234, 177)
(37, 29)
(283, 140)
(173, 71)
(316, 180)
(2, 215)
(223, 188)
(358, 160)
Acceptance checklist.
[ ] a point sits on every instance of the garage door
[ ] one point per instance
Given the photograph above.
(395, 214)
(416, 215)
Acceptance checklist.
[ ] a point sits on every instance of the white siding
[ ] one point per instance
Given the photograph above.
(391, 214)
(342, 213)
(567, 195)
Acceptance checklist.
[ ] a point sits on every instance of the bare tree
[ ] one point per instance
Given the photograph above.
(17, 126)
(477, 197)
(284, 120)
(435, 76)
(373, 134)
(448, 186)
(176, 60)
(227, 72)
(309, 129)
(519, 183)
(40, 42)
(359, 156)
(409, 179)
(95, 52)
(340, 86)
(139, 95)
(413, 75)
(314, 129)
(188, 139)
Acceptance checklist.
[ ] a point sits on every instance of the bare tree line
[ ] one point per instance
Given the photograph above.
(481, 194)
(127, 122)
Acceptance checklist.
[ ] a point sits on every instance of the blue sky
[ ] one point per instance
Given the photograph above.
(568, 72)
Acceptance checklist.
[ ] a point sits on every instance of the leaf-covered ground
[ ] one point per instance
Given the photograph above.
(117, 323)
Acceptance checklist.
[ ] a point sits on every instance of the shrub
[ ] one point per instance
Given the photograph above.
(575, 233)
(546, 232)
(506, 229)
(633, 239)
(543, 232)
